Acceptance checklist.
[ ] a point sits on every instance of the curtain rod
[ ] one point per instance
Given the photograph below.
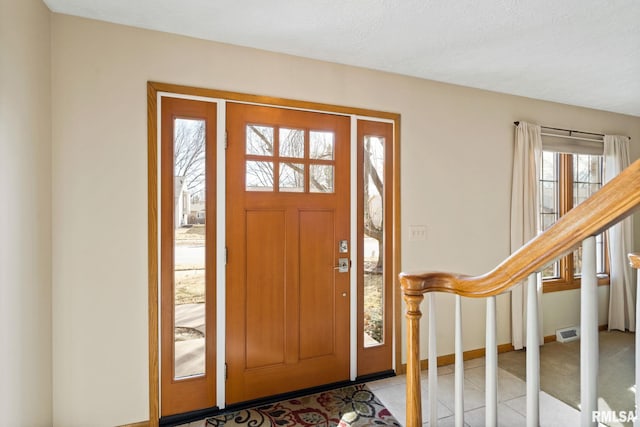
(571, 131)
(567, 130)
(579, 138)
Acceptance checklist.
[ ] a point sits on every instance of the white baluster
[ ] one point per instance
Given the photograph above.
(433, 362)
(459, 367)
(636, 421)
(533, 353)
(588, 333)
(491, 366)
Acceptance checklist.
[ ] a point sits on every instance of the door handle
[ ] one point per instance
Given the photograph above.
(343, 265)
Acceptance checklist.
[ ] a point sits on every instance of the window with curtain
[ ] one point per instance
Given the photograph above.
(566, 180)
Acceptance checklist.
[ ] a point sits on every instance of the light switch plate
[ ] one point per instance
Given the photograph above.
(417, 233)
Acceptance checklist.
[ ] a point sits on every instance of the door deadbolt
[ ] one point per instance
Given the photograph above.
(343, 265)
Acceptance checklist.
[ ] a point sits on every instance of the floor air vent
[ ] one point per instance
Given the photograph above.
(568, 334)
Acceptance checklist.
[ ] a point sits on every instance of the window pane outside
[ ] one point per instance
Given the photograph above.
(321, 145)
(373, 241)
(189, 247)
(260, 140)
(321, 178)
(259, 176)
(587, 179)
(292, 177)
(292, 143)
(549, 203)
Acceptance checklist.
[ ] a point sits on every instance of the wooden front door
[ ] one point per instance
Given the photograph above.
(287, 230)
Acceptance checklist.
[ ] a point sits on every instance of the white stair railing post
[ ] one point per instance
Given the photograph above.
(636, 421)
(491, 366)
(533, 353)
(634, 260)
(433, 362)
(589, 333)
(459, 367)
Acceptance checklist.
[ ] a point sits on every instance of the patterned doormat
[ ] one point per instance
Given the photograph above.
(348, 406)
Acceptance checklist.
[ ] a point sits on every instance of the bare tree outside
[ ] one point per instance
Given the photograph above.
(189, 246)
(291, 175)
(321, 147)
(373, 193)
(189, 155)
(373, 190)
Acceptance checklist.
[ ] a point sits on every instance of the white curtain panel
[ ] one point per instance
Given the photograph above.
(622, 295)
(524, 218)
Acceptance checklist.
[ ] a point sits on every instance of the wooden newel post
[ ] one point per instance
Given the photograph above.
(414, 399)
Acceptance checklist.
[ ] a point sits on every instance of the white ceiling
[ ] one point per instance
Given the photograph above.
(579, 52)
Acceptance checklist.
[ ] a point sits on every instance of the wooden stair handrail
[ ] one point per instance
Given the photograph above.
(613, 202)
(634, 260)
(616, 200)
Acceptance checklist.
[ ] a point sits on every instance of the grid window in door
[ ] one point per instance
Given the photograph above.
(289, 160)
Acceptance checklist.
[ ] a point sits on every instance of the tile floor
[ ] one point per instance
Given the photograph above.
(511, 399)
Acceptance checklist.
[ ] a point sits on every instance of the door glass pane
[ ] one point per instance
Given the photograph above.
(321, 178)
(292, 177)
(189, 247)
(373, 243)
(259, 140)
(292, 143)
(321, 145)
(259, 176)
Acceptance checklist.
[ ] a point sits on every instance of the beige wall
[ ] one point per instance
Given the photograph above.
(25, 218)
(456, 171)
